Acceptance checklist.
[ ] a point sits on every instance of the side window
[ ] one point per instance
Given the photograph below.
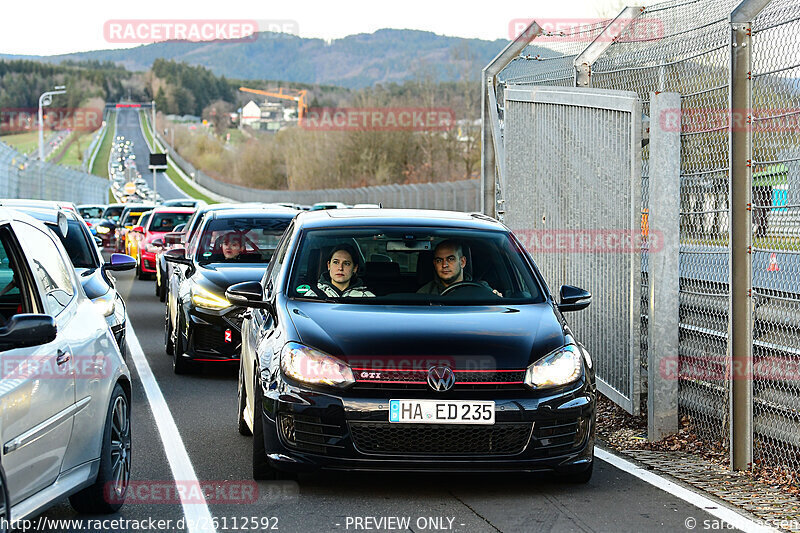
(279, 257)
(52, 274)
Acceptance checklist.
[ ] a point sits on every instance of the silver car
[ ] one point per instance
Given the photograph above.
(65, 390)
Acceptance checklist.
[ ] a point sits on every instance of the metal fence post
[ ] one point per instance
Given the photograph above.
(664, 241)
(583, 62)
(740, 154)
(491, 138)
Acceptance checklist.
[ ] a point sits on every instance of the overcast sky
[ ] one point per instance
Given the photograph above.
(49, 27)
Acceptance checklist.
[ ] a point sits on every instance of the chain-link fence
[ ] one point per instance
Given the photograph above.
(775, 117)
(21, 177)
(687, 49)
(461, 195)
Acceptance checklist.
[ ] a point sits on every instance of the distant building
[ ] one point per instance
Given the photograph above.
(251, 115)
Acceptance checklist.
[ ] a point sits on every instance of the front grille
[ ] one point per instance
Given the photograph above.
(382, 379)
(440, 439)
(557, 436)
(308, 433)
(212, 339)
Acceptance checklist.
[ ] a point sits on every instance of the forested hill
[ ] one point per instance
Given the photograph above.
(355, 61)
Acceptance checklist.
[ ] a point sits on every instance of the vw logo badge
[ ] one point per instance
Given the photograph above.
(441, 378)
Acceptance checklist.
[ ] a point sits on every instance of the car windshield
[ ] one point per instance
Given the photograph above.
(91, 212)
(131, 217)
(240, 240)
(164, 222)
(113, 213)
(412, 266)
(77, 245)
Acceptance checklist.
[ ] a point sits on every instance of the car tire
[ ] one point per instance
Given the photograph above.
(261, 467)
(162, 295)
(241, 423)
(138, 269)
(158, 285)
(107, 494)
(4, 502)
(179, 363)
(169, 346)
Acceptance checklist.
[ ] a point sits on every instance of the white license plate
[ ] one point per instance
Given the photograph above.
(441, 412)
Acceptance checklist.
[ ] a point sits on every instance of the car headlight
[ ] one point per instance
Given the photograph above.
(105, 303)
(306, 364)
(103, 229)
(558, 368)
(208, 300)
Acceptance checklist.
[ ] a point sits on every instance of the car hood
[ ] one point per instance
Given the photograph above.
(497, 337)
(223, 276)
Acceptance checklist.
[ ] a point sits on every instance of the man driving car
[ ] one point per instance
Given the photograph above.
(448, 263)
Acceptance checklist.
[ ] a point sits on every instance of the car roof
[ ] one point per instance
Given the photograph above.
(334, 218)
(169, 209)
(281, 212)
(46, 214)
(9, 214)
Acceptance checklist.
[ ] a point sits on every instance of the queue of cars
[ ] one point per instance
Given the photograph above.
(366, 339)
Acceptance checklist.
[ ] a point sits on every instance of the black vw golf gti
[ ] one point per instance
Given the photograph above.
(230, 247)
(411, 340)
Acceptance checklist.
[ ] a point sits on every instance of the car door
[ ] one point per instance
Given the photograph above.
(38, 385)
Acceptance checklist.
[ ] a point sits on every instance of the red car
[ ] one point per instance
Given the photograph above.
(162, 221)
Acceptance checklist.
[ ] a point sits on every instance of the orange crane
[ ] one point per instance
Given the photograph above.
(292, 94)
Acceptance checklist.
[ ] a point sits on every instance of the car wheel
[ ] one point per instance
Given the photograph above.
(168, 344)
(162, 295)
(138, 269)
(4, 499)
(179, 364)
(244, 429)
(107, 494)
(261, 467)
(158, 286)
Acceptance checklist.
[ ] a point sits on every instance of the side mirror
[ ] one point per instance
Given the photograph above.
(138, 229)
(120, 262)
(177, 255)
(247, 294)
(573, 298)
(179, 228)
(27, 330)
(157, 242)
(173, 237)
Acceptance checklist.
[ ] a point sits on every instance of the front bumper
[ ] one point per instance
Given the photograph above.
(213, 336)
(306, 431)
(148, 262)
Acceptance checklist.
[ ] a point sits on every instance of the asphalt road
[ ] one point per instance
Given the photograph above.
(129, 127)
(203, 406)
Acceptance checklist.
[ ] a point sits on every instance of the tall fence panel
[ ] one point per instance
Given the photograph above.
(21, 177)
(774, 120)
(573, 195)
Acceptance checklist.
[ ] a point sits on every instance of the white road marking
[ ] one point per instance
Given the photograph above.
(723, 513)
(198, 516)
